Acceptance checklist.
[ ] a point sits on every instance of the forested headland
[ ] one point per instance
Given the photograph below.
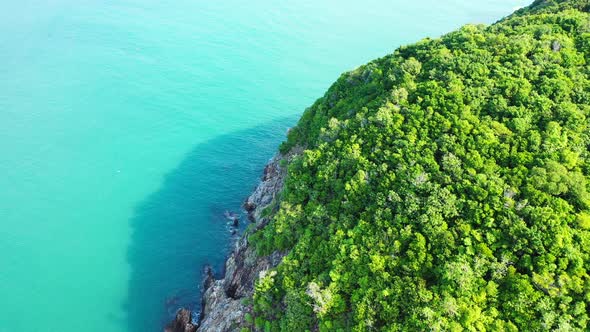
(443, 187)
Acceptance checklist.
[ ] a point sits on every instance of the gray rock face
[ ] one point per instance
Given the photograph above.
(270, 186)
(223, 307)
(182, 323)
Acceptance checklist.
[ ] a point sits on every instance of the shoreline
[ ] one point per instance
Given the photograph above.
(222, 308)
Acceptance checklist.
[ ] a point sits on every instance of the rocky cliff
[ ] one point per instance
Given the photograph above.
(223, 305)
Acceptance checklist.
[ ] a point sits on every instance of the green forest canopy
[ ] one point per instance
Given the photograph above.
(442, 187)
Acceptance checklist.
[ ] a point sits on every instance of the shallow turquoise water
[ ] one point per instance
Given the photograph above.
(128, 127)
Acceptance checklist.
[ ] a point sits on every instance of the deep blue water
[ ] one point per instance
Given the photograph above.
(128, 127)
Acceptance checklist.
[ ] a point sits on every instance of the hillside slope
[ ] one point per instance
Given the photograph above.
(442, 187)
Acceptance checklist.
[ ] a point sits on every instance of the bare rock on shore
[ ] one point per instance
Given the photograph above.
(267, 191)
(224, 307)
(182, 322)
(225, 301)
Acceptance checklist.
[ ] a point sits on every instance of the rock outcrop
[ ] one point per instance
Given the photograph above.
(223, 308)
(223, 305)
(182, 322)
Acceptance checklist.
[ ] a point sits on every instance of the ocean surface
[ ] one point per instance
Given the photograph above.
(128, 128)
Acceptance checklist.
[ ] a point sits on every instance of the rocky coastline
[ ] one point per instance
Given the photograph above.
(223, 307)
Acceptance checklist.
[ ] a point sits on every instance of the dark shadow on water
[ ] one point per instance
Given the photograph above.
(182, 227)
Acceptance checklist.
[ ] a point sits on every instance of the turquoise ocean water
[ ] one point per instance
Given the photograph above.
(128, 127)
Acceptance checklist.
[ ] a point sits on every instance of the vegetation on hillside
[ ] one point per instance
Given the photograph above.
(443, 187)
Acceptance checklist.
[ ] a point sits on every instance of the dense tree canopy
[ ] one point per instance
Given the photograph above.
(443, 187)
